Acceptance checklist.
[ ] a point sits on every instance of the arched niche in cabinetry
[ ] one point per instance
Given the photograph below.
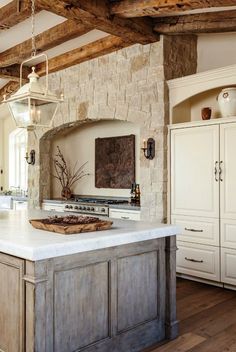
(189, 94)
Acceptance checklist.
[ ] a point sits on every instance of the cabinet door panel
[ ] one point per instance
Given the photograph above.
(228, 165)
(11, 304)
(228, 266)
(228, 233)
(194, 190)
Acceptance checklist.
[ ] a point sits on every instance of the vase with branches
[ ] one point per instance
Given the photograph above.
(65, 175)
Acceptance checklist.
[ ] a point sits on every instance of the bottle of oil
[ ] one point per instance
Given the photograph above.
(132, 193)
(137, 194)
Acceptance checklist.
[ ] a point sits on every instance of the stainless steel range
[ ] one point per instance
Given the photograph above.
(98, 206)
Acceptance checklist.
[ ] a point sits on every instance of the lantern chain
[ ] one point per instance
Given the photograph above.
(34, 51)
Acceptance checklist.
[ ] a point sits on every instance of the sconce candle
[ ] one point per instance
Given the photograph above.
(149, 148)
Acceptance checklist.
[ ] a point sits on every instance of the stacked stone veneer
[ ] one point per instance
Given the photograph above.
(128, 85)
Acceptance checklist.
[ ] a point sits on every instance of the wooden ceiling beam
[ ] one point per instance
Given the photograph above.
(96, 14)
(214, 22)
(13, 73)
(14, 13)
(141, 8)
(55, 36)
(84, 53)
(8, 89)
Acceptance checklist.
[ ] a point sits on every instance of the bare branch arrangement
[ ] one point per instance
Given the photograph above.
(66, 177)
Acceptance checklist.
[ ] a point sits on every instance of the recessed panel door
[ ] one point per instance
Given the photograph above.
(194, 171)
(228, 171)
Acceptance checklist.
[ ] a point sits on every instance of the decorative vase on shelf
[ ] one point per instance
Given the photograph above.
(206, 113)
(227, 102)
(66, 193)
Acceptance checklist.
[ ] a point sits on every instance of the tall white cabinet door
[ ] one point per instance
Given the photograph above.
(194, 186)
(228, 166)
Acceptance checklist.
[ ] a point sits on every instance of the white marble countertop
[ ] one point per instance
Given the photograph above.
(19, 238)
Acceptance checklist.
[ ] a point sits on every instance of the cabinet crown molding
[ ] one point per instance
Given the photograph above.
(183, 88)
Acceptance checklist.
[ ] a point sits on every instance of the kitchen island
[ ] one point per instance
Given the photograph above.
(101, 291)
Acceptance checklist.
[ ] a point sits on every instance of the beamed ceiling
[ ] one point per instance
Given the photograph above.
(74, 31)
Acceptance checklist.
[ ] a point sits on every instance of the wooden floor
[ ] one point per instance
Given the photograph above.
(207, 316)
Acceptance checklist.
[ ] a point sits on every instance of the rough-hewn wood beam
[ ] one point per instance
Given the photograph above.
(213, 22)
(13, 72)
(14, 13)
(8, 89)
(84, 53)
(44, 41)
(140, 8)
(96, 14)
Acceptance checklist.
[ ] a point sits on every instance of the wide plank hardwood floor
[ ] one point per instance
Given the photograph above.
(207, 317)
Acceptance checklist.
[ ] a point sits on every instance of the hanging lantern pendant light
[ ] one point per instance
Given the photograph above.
(33, 104)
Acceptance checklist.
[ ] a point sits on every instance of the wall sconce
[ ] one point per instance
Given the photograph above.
(30, 158)
(149, 148)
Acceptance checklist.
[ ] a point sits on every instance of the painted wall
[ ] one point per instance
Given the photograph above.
(216, 50)
(80, 145)
(6, 127)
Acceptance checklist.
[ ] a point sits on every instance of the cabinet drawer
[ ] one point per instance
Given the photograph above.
(198, 260)
(198, 230)
(228, 266)
(228, 233)
(124, 214)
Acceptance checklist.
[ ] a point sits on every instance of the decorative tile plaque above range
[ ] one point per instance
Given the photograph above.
(115, 162)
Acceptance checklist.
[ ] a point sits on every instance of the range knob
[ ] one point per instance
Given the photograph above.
(88, 208)
(76, 207)
(80, 208)
(84, 208)
(103, 210)
(71, 207)
(67, 206)
(92, 209)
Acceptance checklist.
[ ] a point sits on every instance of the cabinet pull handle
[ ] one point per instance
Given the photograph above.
(193, 260)
(193, 230)
(125, 217)
(216, 171)
(221, 171)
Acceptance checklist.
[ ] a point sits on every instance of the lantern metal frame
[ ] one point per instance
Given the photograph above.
(44, 96)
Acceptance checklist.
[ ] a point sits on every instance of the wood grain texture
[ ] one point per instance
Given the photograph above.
(81, 307)
(44, 41)
(9, 15)
(214, 22)
(72, 229)
(11, 304)
(97, 15)
(140, 8)
(207, 319)
(137, 289)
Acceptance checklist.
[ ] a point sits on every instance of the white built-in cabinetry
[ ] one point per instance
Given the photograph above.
(202, 187)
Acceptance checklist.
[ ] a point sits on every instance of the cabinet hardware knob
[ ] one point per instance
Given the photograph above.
(216, 171)
(193, 260)
(193, 230)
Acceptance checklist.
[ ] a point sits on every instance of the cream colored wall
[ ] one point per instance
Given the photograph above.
(216, 50)
(6, 127)
(80, 145)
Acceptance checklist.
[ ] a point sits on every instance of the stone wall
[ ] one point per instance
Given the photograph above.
(128, 85)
